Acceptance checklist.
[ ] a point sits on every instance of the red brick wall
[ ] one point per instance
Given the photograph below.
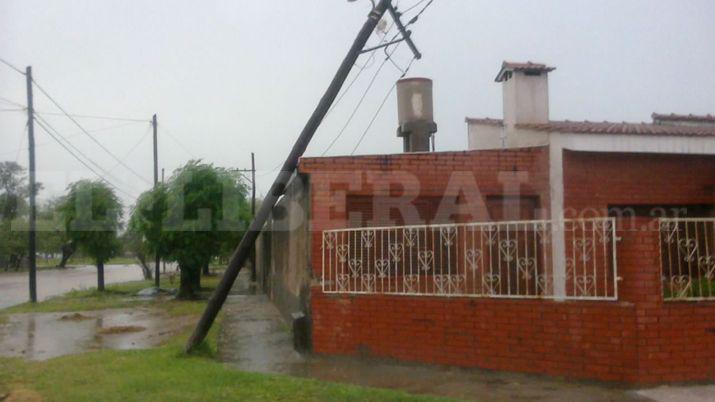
(470, 175)
(676, 340)
(639, 338)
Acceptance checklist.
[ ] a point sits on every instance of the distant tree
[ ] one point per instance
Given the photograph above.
(92, 217)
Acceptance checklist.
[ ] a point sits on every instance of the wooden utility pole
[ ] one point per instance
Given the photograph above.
(32, 233)
(157, 257)
(245, 247)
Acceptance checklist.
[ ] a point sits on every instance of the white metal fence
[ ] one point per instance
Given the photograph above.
(493, 259)
(687, 249)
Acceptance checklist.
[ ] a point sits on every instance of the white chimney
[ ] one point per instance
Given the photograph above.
(525, 88)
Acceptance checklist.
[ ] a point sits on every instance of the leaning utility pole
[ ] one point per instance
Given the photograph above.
(32, 233)
(253, 213)
(157, 257)
(243, 251)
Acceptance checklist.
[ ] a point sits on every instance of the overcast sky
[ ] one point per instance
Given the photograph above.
(230, 77)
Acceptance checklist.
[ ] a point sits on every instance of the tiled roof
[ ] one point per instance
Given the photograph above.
(486, 121)
(528, 66)
(708, 118)
(606, 127)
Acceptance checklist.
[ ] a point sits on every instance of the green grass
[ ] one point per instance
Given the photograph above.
(120, 295)
(160, 374)
(165, 374)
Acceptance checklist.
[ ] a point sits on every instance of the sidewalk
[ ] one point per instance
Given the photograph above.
(254, 337)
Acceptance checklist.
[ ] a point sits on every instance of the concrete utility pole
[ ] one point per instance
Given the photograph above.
(245, 247)
(253, 213)
(32, 233)
(157, 257)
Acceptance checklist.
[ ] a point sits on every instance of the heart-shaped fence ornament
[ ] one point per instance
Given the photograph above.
(447, 234)
(343, 250)
(328, 240)
(410, 236)
(584, 249)
(527, 267)
(382, 267)
(707, 266)
(585, 285)
(425, 258)
(507, 249)
(680, 285)
(688, 248)
(473, 257)
(368, 282)
(491, 283)
(355, 266)
(343, 282)
(367, 238)
(396, 251)
(410, 283)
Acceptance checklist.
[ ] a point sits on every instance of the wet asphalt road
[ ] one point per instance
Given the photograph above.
(52, 282)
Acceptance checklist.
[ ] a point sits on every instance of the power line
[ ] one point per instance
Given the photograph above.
(362, 98)
(129, 168)
(78, 134)
(22, 142)
(417, 16)
(42, 125)
(12, 102)
(410, 8)
(45, 124)
(384, 100)
(87, 116)
(177, 142)
(141, 140)
(5, 62)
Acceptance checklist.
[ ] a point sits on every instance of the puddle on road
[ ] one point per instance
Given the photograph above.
(40, 336)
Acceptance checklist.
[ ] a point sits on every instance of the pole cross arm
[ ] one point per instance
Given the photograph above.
(405, 33)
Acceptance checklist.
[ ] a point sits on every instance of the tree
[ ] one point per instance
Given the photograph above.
(92, 217)
(51, 235)
(144, 233)
(13, 214)
(188, 220)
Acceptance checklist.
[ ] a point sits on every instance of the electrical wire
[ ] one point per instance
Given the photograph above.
(412, 7)
(50, 129)
(129, 168)
(177, 142)
(384, 100)
(87, 116)
(69, 136)
(134, 147)
(22, 142)
(12, 102)
(5, 62)
(362, 98)
(41, 125)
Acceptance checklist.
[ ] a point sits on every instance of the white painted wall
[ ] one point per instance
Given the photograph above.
(526, 99)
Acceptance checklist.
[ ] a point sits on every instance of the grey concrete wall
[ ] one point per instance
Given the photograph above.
(283, 251)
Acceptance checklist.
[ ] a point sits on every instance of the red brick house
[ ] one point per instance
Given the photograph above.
(579, 249)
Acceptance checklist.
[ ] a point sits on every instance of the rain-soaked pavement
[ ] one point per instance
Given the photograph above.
(254, 337)
(40, 336)
(53, 282)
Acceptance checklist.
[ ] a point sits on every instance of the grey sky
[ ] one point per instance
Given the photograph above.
(230, 77)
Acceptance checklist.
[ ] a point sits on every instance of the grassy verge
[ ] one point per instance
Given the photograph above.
(159, 374)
